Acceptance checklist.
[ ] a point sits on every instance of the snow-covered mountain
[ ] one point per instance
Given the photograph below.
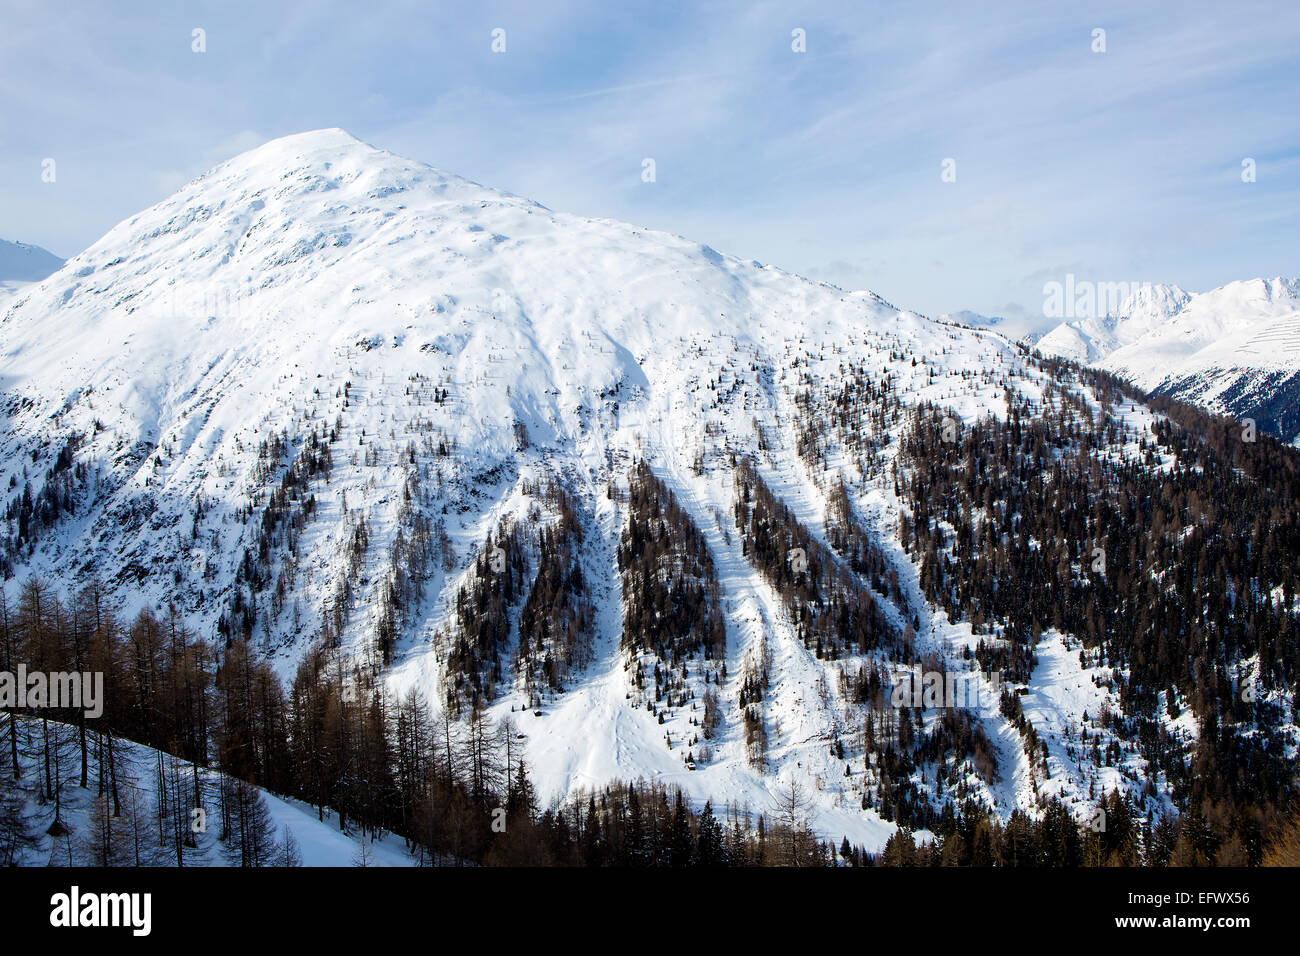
(1234, 350)
(321, 390)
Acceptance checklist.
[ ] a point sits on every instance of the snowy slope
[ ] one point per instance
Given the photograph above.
(319, 841)
(1235, 349)
(10, 290)
(468, 344)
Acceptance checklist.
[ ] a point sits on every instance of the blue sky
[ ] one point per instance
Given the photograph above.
(1115, 166)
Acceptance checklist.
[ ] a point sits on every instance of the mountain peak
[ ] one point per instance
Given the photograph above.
(1149, 306)
(326, 135)
(309, 141)
(1154, 300)
(331, 144)
(303, 398)
(319, 238)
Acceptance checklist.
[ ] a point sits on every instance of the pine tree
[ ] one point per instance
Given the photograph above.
(287, 852)
(635, 849)
(251, 841)
(681, 843)
(710, 850)
(16, 836)
(104, 841)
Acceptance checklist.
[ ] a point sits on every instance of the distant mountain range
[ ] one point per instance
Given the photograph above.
(1234, 350)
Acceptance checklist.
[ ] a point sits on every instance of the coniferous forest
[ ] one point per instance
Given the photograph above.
(1172, 565)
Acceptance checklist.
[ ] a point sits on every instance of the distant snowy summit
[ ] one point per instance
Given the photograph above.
(1106, 321)
(20, 262)
(972, 320)
(1024, 329)
(21, 265)
(1234, 350)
